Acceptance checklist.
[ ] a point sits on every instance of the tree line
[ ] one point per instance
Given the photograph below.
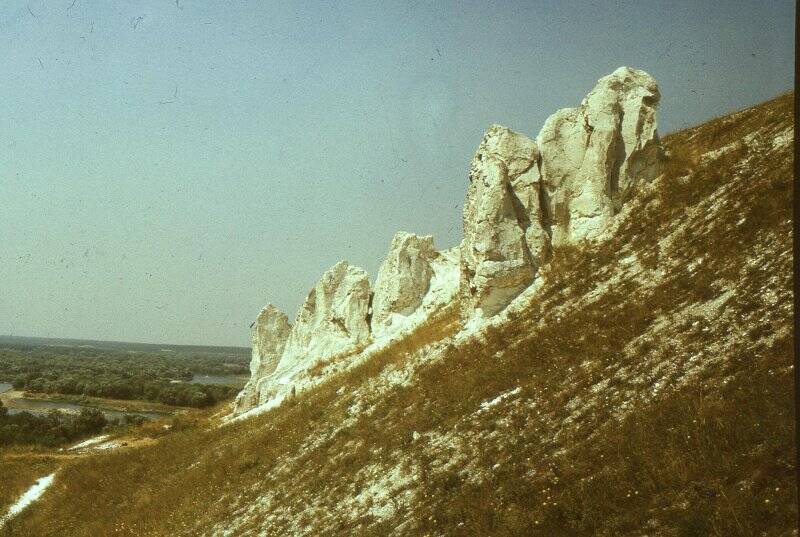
(153, 377)
(53, 429)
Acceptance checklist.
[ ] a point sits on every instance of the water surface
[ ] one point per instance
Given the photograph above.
(38, 407)
(227, 380)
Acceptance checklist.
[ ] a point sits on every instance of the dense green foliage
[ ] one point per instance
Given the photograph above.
(117, 374)
(55, 428)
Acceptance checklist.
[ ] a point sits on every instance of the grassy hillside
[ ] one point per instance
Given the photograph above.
(647, 389)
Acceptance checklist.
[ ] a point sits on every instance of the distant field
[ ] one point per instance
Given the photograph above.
(123, 346)
(176, 375)
(96, 386)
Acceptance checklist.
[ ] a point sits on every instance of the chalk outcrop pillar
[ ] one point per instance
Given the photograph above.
(268, 337)
(594, 156)
(402, 282)
(504, 238)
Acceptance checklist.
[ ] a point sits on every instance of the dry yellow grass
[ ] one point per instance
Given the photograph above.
(639, 408)
(19, 469)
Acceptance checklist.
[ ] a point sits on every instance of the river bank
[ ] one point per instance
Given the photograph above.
(40, 403)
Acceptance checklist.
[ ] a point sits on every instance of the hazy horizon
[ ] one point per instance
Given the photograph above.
(170, 167)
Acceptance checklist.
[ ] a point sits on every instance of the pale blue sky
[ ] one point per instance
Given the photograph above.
(167, 168)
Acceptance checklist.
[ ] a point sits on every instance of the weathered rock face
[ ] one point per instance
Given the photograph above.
(269, 335)
(504, 240)
(593, 156)
(403, 280)
(527, 197)
(333, 320)
(334, 316)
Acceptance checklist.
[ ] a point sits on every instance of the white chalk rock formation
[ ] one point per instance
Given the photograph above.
(593, 156)
(403, 281)
(526, 197)
(270, 332)
(332, 321)
(269, 335)
(504, 240)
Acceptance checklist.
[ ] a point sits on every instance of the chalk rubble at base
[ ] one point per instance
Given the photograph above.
(89, 442)
(30, 496)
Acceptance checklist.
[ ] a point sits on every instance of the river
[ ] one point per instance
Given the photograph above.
(227, 380)
(39, 407)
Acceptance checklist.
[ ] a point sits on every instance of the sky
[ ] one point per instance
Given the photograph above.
(167, 168)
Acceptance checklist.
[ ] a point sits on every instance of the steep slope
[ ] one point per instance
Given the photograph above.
(523, 198)
(645, 385)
